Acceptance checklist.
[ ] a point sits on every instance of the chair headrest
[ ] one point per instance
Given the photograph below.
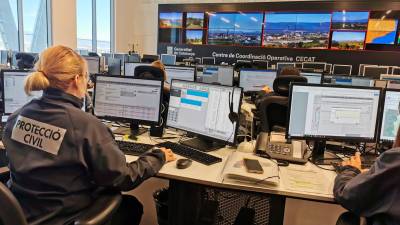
(282, 83)
(240, 65)
(149, 73)
(26, 60)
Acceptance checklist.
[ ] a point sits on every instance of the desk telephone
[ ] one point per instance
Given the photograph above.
(275, 146)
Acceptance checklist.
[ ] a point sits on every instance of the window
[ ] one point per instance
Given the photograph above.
(35, 25)
(24, 25)
(94, 30)
(8, 25)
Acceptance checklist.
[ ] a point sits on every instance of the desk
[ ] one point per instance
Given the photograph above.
(211, 176)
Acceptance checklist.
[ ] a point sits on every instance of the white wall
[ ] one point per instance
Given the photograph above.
(64, 22)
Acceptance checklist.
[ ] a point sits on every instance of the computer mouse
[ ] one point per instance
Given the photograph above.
(183, 163)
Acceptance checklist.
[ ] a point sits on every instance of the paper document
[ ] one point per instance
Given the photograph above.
(306, 181)
(236, 171)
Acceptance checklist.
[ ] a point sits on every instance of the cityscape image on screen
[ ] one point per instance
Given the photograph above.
(348, 40)
(171, 20)
(194, 20)
(297, 30)
(344, 20)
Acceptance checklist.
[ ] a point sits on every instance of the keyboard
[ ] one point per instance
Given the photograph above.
(132, 148)
(191, 153)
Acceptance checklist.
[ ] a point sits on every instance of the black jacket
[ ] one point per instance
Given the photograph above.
(59, 156)
(374, 194)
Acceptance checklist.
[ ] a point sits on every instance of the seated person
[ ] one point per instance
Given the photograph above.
(374, 194)
(160, 65)
(61, 156)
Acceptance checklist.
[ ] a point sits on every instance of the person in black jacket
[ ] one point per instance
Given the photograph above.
(373, 193)
(60, 156)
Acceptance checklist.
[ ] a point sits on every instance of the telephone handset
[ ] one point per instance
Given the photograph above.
(295, 152)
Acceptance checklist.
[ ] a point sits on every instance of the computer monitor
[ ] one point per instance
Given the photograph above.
(83, 52)
(149, 58)
(167, 59)
(341, 113)
(122, 56)
(396, 70)
(217, 75)
(312, 78)
(328, 68)
(133, 58)
(390, 77)
(320, 66)
(352, 81)
(252, 80)
(375, 72)
(180, 73)
(114, 66)
(126, 98)
(203, 109)
(93, 64)
(106, 57)
(361, 68)
(390, 117)
(14, 96)
(129, 68)
(208, 60)
(281, 65)
(261, 64)
(339, 69)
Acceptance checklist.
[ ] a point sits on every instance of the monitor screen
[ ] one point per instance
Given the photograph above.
(134, 58)
(280, 66)
(333, 112)
(127, 98)
(114, 66)
(396, 70)
(168, 59)
(342, 69)
(106, 57)
(391, 117)
(122, 56)
(390, 77)
(14, 96)
(375, 72)
(208, 60)
(3, 54)
(217, 74)
(352, 81)
(203, 109)
(255, 80)
(314, 65)
(180, 73)
(129, 68)
(93, 64)
(312, 78)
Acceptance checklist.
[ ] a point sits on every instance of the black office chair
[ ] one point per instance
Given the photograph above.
(99, 213)
(242, 65)
(272, 109)
(149, 58)
(148, 73)
(349, 218)
(26, 60)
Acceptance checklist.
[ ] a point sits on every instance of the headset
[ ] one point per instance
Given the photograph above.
(233, 116)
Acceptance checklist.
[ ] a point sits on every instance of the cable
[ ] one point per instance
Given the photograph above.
(257, 182)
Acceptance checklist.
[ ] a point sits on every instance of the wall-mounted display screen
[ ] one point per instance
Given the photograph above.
(169, 36)
(348, 40)
(194, 20)
(235, 28)
(194, 37)
(381, 31)
(171, 20)
(297, 30)
(345, 20)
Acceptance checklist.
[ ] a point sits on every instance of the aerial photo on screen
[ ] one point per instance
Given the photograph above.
(235, 28)
(381, 31)
(194, 37)
(170, 20)
(344, 20)
(297, 30)
(392, 122)
(348, 40)
(194, 20)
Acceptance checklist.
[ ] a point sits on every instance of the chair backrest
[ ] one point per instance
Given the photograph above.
(282, 83)
(273, 112)
(148, 73)
(239, 65)
(11, 212)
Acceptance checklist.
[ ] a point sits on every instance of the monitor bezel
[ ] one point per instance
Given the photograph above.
(234, 134)
(382, 111)
(218, 66)
(161, 59)
(315, 63)
(252, 69)
(342, 65)
(332, 76)
(286, 63)
(321, 75)
(202, 60)
(182, 66)
(116, 118)
(98, 60)
(376, 67)
(333, 138)
(2, 86)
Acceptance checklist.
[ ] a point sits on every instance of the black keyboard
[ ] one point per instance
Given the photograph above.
(191, 153)
(132, 148)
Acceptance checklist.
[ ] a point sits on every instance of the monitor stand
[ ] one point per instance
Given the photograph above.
(136, 130)
(320, 157)
(202, 144)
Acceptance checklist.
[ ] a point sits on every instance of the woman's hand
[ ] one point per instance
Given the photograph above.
(169, 155)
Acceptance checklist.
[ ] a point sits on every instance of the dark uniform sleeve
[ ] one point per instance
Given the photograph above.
(372, 192)
(109, 167)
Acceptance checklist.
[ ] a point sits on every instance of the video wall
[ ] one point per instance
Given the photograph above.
(336, 30)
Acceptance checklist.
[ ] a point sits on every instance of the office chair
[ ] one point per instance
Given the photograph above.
(272, 109)
(149, 58)
(148, 73)
(26, 60)
(349, 218)
(99, 213)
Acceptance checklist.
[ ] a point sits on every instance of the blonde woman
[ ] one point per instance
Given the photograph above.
(59, 155)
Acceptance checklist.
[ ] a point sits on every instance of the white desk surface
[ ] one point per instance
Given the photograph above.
(212, 175)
